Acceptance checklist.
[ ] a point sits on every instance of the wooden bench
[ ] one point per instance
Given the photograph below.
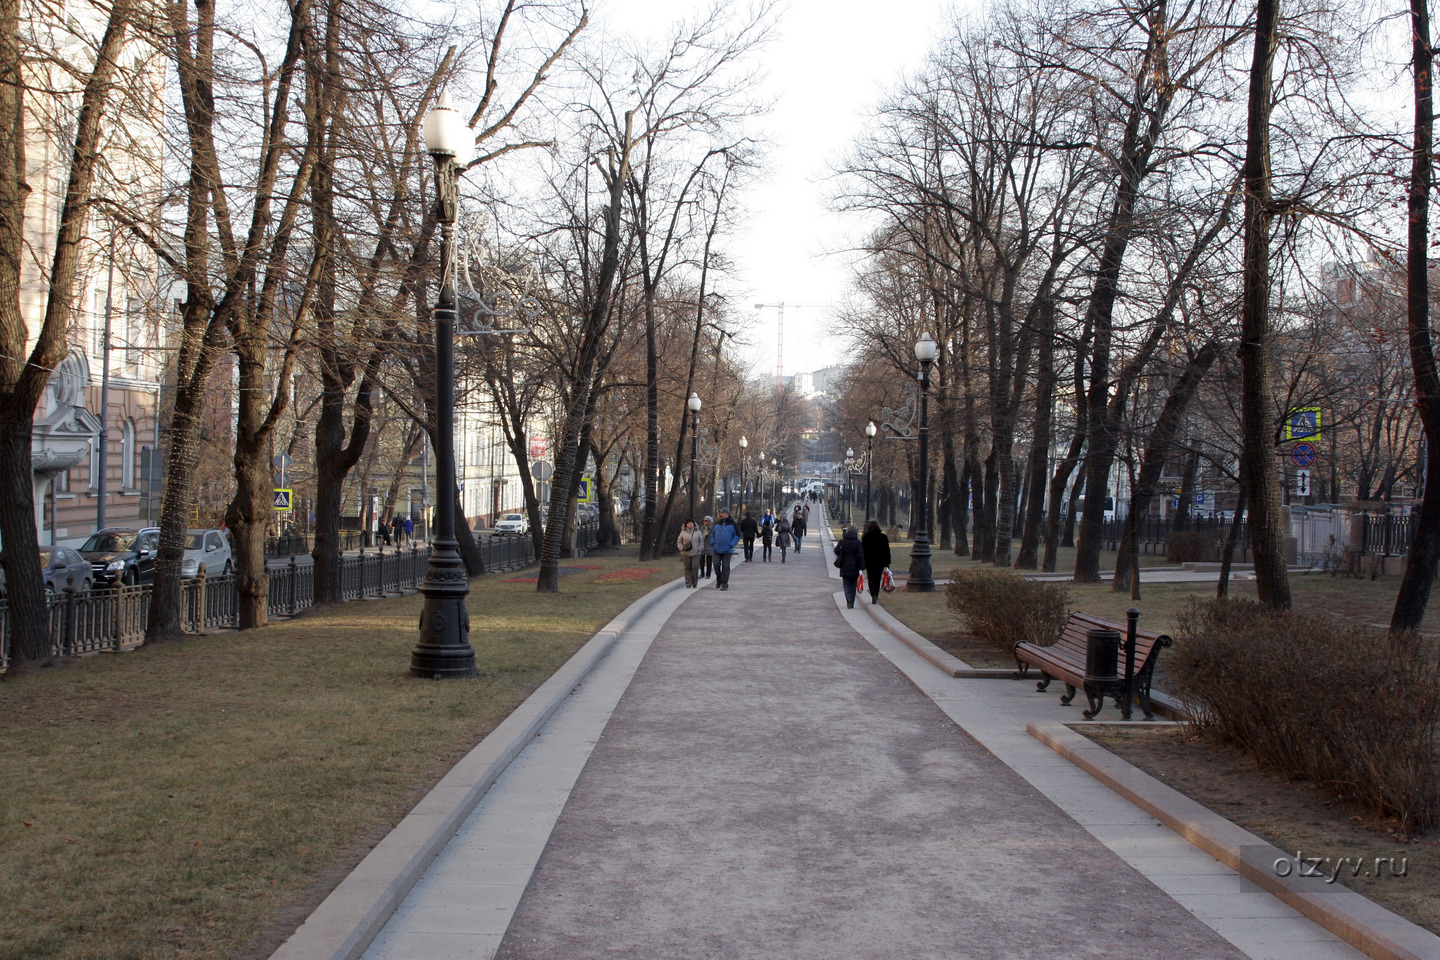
(1064, 660)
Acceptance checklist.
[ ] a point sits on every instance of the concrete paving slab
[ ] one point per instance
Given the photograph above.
(771, 786)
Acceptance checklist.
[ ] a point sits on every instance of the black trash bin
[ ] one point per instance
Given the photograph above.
(1102, 656)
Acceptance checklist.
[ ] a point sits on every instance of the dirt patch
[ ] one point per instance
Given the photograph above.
(1296, 817)
(977, 653)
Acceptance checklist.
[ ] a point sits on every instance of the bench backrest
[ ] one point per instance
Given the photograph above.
(1073, 636)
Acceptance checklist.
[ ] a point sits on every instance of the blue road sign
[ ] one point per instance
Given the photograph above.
(1303, 454)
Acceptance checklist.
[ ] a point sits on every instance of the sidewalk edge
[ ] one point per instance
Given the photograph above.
(346, 922)
(953, 666)
(1357, 920)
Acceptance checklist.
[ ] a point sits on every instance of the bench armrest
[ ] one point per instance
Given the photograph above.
(1164, 640)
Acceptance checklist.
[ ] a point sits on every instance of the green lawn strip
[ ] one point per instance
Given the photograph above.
(173, 801)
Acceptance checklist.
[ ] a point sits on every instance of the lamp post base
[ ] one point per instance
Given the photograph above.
(444, 650)
(921, 579)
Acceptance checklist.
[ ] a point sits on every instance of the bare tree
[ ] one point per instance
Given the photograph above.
(24, 373)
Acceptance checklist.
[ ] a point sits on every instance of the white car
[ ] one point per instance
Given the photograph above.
(512, 524)
(209, 549)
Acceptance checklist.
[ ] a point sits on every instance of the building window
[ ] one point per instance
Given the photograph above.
(127, 453)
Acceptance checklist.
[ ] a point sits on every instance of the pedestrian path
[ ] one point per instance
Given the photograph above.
(762, 773)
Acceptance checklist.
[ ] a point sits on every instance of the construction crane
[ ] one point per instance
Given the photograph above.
(780, 335)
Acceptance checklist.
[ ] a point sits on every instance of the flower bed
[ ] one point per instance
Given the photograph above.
(626, 575)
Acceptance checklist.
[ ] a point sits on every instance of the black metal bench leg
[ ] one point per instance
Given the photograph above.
(1069, 695)
(1096, 700)
(1045, 679)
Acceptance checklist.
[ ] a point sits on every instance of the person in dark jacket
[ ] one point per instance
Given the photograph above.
(877, 557)
(850, 558)
(767, 537)
(749, 530)
(782, 537)
(798, 524)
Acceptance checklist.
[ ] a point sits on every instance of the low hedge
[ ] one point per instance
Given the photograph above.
(1004, 609)
(1348, 707)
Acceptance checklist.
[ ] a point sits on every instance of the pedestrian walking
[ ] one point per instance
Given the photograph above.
(723, 540)
(782, 537)
(383, 529)
(798, 526)
(707, 551)
(409, 527)
(767, 537)
(749, 530)
(850, 559)
(691, 544)
(877, 557)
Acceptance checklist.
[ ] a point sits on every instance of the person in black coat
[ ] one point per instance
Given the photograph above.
(877, 557)
(850, 558)
(749, 530)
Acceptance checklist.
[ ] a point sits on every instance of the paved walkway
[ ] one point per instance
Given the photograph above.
(763, 773)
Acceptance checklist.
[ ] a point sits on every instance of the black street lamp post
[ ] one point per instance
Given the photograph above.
(921, 579)
(444, 650)
(694, 404)
(743, 490)
(869, 439)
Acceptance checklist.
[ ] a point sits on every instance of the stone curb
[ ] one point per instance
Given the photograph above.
(344, 925)
(952, 666)
(1357, 920)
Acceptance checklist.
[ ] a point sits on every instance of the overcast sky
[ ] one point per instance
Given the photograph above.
(831, 61)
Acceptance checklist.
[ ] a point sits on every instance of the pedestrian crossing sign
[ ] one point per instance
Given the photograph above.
(284, 498)
(587, 490)
(1303, 423)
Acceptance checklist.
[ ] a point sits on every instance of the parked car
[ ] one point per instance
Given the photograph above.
(209, 549)
(64, 570)
(122, 555)
(512, 524)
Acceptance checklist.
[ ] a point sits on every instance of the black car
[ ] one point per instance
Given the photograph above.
(122, 555)
(64, 570)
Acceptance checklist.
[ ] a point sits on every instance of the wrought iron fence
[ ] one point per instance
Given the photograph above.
(1153, 534)
(117, 619)
(1387, 535)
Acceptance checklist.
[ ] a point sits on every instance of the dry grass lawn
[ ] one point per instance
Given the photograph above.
(195, 799)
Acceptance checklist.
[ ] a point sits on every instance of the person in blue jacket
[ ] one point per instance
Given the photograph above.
(723, 539)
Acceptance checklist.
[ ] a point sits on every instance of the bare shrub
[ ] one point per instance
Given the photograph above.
(1191, 547)
(1337, 704)
(1005, 609)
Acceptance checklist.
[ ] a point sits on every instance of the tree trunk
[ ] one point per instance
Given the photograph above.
(1232, 540)
(1424, 558)
(25, 370)
(1157, 453)
(1028, 558)
(1267, 538)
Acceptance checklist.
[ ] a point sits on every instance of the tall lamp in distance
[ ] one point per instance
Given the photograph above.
(694, 404)
(921, 579)
(869, 439)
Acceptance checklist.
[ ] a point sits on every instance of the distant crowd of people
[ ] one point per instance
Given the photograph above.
(398, 530)
(706, 548)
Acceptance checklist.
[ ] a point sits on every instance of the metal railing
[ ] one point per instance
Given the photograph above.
(1387, 535)
(1152, 534)
(117, 619)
